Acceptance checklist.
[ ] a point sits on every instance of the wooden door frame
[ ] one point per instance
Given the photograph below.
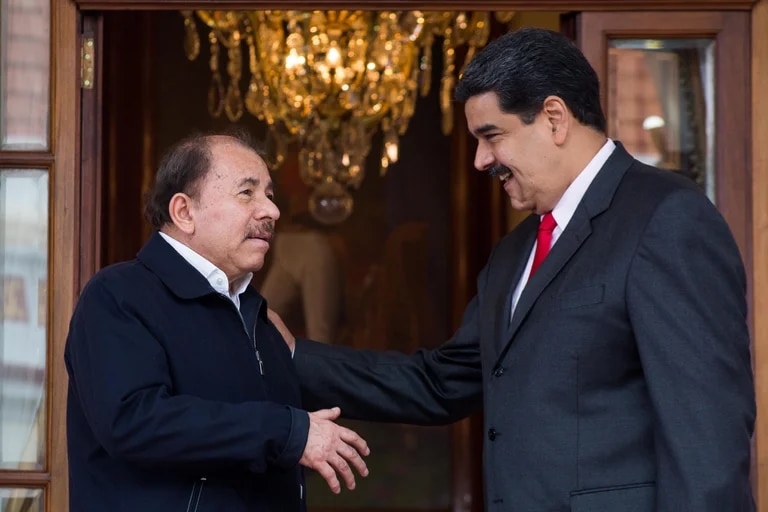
(759, 166)
(732, 113)
(447, 5)
(64, 225)
(66, 192)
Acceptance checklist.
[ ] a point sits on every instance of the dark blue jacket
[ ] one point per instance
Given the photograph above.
(168, 407)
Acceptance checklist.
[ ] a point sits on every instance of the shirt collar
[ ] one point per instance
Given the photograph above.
(566, 206)
(215, 276)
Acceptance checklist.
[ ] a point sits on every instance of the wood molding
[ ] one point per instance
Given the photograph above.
(25, 159)
(63, 238)
(91, 128)
(24, 479)
(466, 496)
(760, 248)
(518, 5)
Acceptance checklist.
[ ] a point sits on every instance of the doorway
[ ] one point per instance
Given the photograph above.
(386, 277)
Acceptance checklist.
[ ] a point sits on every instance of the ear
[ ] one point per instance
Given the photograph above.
(180, 209)
(558, 117)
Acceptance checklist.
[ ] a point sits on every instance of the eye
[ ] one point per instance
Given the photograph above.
(271, 196)
(247, 192)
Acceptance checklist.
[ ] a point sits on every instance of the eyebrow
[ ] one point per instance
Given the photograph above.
(482, 130)
(255, 182)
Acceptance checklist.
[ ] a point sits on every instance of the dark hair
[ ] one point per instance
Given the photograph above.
(525, 66)
(182, 168)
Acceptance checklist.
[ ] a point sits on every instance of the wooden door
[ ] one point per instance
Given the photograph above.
(39, 110)
(675, 89)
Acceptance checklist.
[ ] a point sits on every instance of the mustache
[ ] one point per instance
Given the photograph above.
(499, 170)
(264, 229)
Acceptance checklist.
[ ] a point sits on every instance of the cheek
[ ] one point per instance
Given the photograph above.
(515, 156)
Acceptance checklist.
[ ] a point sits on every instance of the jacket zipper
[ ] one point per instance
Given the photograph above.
(194, 499)
(253, 339)
(256, 350)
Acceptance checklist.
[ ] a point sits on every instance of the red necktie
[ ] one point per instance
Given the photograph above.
(543, 241)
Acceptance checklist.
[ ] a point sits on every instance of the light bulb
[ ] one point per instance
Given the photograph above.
(330, 203)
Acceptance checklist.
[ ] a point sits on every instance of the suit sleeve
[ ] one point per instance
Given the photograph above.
(686, 299)
(429, 387)
(122, 381)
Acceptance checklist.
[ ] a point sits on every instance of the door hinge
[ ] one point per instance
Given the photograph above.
(87, 63)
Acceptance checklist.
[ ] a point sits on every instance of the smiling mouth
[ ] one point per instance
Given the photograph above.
(500, 171)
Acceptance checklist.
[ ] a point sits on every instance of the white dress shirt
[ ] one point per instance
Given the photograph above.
(564, 209)
(213, 274)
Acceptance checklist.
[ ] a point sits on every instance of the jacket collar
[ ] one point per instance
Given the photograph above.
(172, 269)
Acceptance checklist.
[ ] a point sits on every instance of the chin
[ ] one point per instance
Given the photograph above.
(519, 206)
(253, 264)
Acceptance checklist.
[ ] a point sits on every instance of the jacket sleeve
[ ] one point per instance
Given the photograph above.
(429, 387)
(686, 299)
(121, 378)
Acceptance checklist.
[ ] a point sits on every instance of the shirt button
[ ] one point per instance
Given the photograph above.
(492, 434)
(219, 281)
(498, 372)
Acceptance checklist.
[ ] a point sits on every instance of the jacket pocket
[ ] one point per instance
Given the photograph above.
(582, 297)
(195, 495)
(624, 498)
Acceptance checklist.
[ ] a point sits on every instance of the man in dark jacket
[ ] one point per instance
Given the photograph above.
(182, 395)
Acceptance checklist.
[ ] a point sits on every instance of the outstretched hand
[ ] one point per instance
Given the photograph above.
(289, 339)
(333, 449)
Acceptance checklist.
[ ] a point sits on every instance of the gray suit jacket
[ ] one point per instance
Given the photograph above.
(623, 382)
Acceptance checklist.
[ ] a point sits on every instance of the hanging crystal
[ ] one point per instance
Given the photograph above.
(329, 80)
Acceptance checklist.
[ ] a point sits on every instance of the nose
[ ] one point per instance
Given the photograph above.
(269, 210)
(483, 157)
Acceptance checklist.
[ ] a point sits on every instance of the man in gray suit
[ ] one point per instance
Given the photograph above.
(607, 342)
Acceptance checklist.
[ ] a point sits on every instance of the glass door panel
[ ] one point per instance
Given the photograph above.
(24, 272)
(25, 58)
(661, 103)
(676, 93)
(21, 500)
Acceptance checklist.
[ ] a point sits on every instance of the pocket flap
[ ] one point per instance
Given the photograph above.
(628, 498)
(582, 297)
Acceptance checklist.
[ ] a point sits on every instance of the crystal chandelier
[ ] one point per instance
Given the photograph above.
(329, 80)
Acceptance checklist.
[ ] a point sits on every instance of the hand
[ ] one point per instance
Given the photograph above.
(289, 339)
(332, 448)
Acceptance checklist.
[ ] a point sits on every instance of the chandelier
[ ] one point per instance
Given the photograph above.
(329, 80)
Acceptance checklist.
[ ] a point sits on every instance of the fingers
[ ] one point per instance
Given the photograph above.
(353, 457)
(329, 475)
(326, 414)
(334, 451)
(352, 438)
(343, 470)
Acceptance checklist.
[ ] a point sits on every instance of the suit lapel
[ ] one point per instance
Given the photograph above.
(512, 267)
(595, 201)
(579, 228)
